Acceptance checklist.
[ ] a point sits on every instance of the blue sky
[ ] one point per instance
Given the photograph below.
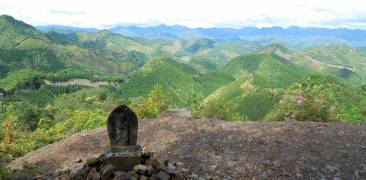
(192, 13)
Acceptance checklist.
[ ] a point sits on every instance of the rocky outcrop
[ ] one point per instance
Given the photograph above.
(212, 148)
(81, 82)
(96, 168)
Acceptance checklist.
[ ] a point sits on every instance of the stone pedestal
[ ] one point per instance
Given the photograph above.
(124, 158)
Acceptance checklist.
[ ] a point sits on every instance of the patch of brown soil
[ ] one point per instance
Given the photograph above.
(237, 150)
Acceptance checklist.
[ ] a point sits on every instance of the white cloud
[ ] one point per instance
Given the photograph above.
(193, 13)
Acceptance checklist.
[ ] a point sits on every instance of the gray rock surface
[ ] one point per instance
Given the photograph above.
(237, 150)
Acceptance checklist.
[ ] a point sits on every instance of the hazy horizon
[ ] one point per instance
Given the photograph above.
(193, 14)
(172, 25)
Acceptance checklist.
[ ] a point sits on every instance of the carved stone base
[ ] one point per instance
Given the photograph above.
(124, 158)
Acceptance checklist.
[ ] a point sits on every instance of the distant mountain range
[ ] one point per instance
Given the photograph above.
(225, 73)
(58, 80)
(293, 37)
(65, 29)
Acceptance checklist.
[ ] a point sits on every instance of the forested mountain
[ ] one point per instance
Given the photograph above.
(56, 82)
(321, 98)
(346, 62)
(263, 77)
(14, 32)
(22, 46)
(295, 37)
(182, 67)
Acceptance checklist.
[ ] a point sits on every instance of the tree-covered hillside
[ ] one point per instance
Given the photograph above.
(260, 79)
(178, 80)
(267, 70)
(321, 98)
(240, 100)
(14, 32)
(347, 62)
(263, 77)
(201, 54)
(22, 46)
(54, 84)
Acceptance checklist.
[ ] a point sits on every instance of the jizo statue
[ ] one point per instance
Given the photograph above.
(122, 127)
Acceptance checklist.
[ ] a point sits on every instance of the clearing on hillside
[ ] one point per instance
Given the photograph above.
(235, 150)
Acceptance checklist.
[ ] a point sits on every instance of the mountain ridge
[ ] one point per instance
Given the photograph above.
(295, 37)
(23, 46)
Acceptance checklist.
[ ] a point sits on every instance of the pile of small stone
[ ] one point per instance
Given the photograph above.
(96, 169)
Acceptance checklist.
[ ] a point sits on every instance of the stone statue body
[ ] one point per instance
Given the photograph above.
(122, 127)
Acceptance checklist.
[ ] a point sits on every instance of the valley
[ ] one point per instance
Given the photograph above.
(58, 81)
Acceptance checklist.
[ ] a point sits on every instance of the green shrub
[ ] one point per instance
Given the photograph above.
(152, 106)
(26, 115)
(77, 121)
(5, 173)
